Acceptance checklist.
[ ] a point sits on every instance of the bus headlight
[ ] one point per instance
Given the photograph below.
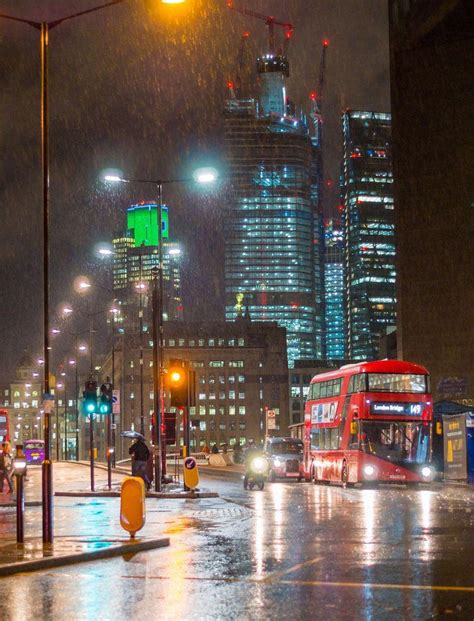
(427, 473)
(278, 463)
(370, 471)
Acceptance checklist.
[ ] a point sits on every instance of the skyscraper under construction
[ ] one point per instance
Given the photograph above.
(273, 224)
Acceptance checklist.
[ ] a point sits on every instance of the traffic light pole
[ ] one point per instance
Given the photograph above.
(91, 442)
(156, 384)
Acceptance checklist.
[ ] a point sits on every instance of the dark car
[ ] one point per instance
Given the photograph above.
(285, 458)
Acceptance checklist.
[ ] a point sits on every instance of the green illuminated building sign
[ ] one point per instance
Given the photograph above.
(142, 220)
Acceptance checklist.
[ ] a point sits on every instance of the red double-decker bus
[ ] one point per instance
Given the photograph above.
(4, 427)
(369, 422)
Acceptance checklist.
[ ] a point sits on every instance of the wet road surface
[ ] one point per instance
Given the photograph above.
(293, 551)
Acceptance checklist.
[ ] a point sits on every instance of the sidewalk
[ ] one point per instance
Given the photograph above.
(84, 529)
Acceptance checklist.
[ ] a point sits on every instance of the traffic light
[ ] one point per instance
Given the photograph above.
(178, 383)
(106, 392)
(169, 430)
(89, 402)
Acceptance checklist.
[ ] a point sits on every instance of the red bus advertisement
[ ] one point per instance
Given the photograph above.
(4, 428)
(369, 422)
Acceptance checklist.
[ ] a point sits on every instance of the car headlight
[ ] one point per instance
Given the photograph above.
(258, 465)
(427, 472)
(370, 471)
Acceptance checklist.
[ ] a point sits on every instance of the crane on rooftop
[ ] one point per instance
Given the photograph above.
(271, 22)
(317, 97)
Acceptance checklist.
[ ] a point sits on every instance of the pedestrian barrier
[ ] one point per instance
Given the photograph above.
(132, 505)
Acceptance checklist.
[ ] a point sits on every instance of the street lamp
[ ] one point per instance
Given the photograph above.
(202, 176)
(44, 28)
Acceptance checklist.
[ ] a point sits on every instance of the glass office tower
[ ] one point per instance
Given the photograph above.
(334, 289)
(136, 253)
(272, 225)
(369, 235)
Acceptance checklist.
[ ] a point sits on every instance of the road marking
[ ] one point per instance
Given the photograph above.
(318, 583)
(375, 585)
(278, 574)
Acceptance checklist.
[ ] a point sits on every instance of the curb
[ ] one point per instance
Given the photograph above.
(234, 474)
(83, 557)
(28, 503)
(148, 495)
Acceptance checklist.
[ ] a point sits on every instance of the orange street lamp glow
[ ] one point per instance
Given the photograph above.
(173, 1)
(175, 377)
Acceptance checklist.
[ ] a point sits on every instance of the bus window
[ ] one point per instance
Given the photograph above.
(334, 438)
(323, 392)
(345, 407)
(315, 439)
(357, 383)
(315, 390)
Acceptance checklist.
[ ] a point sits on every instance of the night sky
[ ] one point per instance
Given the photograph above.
(141, 87)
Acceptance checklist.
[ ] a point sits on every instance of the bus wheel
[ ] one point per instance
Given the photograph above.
(344, 474)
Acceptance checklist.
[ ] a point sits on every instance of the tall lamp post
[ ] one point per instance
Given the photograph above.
(47, 470)
(44, 28)
(201, 176)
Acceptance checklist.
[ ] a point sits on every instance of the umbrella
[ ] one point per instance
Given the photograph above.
(132, 435)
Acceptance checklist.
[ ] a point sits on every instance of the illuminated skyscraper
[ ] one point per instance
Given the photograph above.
(334, 288)
(273, 230)
(369, 231)
(136, 253)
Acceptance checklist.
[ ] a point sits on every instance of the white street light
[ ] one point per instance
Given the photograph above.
(205, 175)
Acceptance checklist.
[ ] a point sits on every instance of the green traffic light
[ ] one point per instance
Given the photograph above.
(90, 407)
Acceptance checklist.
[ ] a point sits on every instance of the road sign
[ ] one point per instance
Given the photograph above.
(48, 403)
(271, 419)
(190, 473)
(116, 401)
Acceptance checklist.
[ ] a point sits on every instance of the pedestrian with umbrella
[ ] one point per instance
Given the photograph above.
(139, 453)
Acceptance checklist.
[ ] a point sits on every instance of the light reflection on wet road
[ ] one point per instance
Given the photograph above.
(293, 551)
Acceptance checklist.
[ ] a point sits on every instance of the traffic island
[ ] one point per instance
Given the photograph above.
(33, 556)
(116, 494)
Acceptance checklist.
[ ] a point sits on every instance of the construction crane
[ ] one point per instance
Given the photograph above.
(271, 22)
(317, 97)
(235, 87)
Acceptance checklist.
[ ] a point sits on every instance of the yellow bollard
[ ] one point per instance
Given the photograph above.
(132, 505)
(190, 473)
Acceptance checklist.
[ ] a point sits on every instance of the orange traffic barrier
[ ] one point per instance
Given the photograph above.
(132, 505)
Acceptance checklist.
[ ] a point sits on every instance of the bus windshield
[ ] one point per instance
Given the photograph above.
(396, 441)
(34, 444)
(397, 382)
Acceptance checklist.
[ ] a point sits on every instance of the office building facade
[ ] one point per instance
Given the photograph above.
(369, 231)
(273, 223)
(334, 290)
(431, 52)
(241, 371)
(136, 253)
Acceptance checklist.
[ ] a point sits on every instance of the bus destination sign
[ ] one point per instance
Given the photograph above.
(396, 408)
